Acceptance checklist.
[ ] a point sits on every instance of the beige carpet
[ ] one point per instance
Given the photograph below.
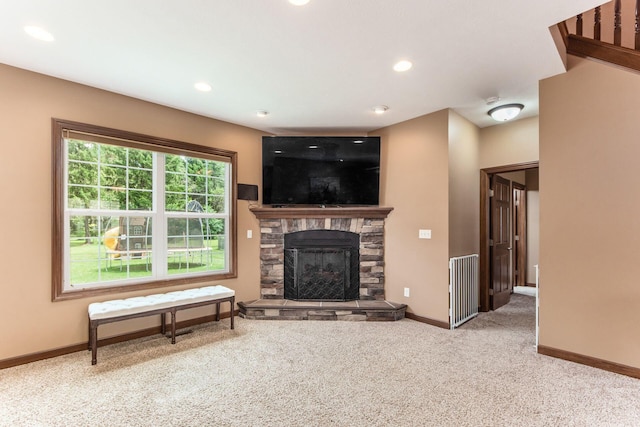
(313, 373)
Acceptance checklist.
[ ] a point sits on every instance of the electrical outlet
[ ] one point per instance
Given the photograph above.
(406, 292)
(424, 234)
(249, 234)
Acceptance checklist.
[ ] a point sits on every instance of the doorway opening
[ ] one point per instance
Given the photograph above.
(503, 233)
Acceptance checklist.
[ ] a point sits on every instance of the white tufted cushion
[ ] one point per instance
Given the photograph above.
(123, 307)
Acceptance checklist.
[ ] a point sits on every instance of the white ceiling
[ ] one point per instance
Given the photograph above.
(315, 68)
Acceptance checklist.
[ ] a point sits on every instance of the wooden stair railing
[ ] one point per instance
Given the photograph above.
(606, 40)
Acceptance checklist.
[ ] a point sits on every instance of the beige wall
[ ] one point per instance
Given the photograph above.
(589, 221)
(509, 143)
(464, 187)
(32, 323)
(414, 181)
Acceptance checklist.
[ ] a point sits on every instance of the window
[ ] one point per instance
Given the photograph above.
(132, 211)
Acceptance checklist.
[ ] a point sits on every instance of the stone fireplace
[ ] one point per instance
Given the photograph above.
(340, 252)
(368, 225)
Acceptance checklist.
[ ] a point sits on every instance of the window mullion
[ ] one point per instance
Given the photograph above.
(159, 217)
(126, 180)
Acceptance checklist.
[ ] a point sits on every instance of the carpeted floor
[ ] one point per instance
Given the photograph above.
(314, 373)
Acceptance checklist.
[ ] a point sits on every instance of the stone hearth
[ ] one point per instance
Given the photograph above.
(367, 222)
(282, 309)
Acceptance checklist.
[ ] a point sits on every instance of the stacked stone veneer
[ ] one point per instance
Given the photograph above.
(371, 233)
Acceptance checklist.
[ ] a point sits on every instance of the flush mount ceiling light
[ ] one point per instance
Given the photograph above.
(380, 109)
(39, 33)
(505, 112)
(299, 2)
(202, 86)
(262, 113)
(403, 65)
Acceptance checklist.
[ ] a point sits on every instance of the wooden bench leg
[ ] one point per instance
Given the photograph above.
(163, 323)
(173, 326)
(93, 341)
(233, 303)
(217, 312)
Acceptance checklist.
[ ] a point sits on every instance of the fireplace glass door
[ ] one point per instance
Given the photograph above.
(324, 274)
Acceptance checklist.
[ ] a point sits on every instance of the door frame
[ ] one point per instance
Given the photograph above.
(485, 262)
(519, 221)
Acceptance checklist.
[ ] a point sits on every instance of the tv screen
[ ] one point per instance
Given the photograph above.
(323, 171)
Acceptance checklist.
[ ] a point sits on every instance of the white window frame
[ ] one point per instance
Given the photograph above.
(159, 277)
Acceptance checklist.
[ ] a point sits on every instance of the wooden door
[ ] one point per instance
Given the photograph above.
(500, 243)
(519, 235)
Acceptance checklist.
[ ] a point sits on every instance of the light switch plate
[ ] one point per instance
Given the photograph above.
(424, 234)
(249, 234)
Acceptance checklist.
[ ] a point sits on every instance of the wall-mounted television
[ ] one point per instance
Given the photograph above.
(322, 171)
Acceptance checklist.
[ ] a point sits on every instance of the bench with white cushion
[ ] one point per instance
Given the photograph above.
(170, 302)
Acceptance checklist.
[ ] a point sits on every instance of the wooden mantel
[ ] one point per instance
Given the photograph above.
(375, 212)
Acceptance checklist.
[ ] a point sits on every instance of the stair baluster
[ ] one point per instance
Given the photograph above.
(579, 24)
(596, 23)
(617, 24)
(637, 26)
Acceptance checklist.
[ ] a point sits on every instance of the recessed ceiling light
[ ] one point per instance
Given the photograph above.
(202, 86)
(402, 66)
(39, 33)
(299, 2)
(380, 109)
(262, 113)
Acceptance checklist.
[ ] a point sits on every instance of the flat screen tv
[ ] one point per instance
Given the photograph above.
(322, 171)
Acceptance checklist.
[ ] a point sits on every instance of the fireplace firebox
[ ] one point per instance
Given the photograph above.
(321, 265)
